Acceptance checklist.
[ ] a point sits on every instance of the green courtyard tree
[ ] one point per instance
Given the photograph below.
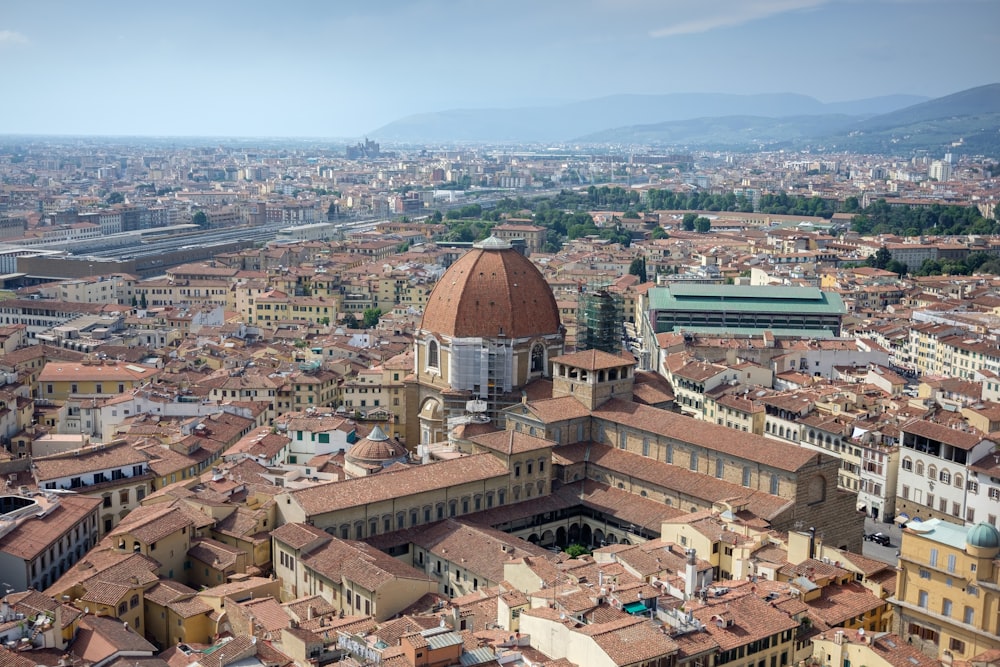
(371, 318)
(702, 225)
(881, 258)
(638, 268)
(199, 218)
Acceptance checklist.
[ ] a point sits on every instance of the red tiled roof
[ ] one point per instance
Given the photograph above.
(748, 446)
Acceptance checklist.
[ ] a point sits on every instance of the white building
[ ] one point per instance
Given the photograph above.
(934, 472)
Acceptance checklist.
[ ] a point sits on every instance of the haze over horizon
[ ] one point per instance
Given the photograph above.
(342, 69)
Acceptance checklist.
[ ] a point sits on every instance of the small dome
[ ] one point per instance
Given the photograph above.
(376, 447)
(983, 536)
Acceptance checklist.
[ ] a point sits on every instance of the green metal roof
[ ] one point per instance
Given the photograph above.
(635, 608)
(745, 298)
(944, 532)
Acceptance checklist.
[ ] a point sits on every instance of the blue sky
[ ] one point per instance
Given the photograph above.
(341, 68)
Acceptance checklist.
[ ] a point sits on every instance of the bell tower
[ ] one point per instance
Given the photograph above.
(593, 377)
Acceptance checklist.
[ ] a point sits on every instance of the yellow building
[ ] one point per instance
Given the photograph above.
(59, 380)
(109, 583)
(163, 532)
(174, 614)
(191, 293)
(309, 561)
(948, 593)
(277, 306)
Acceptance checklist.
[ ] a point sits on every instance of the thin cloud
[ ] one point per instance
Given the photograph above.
(728, 16)
(11, 38)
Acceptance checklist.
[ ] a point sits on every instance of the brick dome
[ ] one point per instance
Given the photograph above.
(490, 291)
(376, 447)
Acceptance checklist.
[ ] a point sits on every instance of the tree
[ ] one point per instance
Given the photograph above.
(199, 218)
(630, 215)
(331, 211)
(659, 233)
(142, 301)
(371, 318)
(688, 221)
(436, 216)
(881, 259)
(115, 198)
(896, 267)
(576, 550)
(702, 225)
(638, 268)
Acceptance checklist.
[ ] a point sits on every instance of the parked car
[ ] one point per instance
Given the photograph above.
(879, 538)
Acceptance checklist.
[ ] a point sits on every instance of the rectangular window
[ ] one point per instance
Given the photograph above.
(922, 599)
(951, 562)
(746, 475)
(969, 617)
(933, 558)
(774, 485)
(946, 607)
(694, 461)
(719, 468)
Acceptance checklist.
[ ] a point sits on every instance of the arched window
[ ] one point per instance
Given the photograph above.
(537, 359)
(932, 472)
(907, 463)
(920, 468)
(433, 354)
(945, 477)
(958, 482)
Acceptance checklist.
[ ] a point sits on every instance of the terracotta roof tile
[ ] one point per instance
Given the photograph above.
(773, 453)
(324, 498)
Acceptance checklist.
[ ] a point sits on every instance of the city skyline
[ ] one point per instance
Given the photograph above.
(345, 69)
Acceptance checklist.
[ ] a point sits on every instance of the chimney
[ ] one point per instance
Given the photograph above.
(690, 573)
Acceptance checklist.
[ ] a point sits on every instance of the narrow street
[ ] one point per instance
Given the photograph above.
(878, 552)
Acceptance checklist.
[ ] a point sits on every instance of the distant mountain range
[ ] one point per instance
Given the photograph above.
(964, 122)
(567, 121)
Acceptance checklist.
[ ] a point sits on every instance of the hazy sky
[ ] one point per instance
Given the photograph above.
(342, 68)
